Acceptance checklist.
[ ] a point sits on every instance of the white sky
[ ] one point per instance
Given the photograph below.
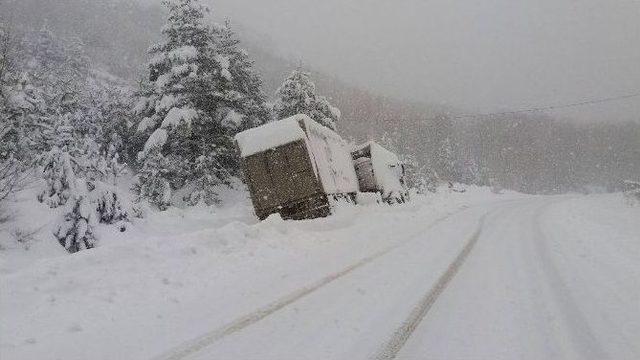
(478, 55)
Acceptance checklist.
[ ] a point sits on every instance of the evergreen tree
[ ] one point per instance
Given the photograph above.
(152, 180)
(199, 85)
(73, 130)
(13, 143)
(327, 114)
(297, 95)
(75, 174)
(446, 161)
(249, 108)
(52, 83)
(59, 165)
(75, 231)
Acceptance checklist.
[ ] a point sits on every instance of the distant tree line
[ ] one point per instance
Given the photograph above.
(530, 153)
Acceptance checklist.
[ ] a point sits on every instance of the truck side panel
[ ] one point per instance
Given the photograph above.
(282, 180)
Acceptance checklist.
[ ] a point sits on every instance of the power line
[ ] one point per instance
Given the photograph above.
(549, 107)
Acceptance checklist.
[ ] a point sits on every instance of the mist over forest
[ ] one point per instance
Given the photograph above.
(533, 152)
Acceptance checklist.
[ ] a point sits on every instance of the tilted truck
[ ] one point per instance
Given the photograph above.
(380, 171)
(296, 167)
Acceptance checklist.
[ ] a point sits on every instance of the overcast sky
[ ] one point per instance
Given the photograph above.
(477, 55)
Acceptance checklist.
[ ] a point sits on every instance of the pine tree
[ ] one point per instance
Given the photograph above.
(297, 95)
(13, 142)
(249, 108)
(73, 129)
(446, 161)
(152, 180)
(75, 231)
(185, 108)
(327, 114)
(52, 84)
(59, 165)
(75, 174)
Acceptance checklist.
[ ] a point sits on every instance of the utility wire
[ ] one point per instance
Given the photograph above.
(549, 107)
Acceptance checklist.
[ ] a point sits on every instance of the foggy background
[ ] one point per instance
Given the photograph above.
(479, 56)
(402, 71)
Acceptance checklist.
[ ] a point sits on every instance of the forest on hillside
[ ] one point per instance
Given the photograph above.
(511, 149)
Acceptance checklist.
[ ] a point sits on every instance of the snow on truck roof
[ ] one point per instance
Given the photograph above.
(278, 133)
(376, 150)
(269, 136)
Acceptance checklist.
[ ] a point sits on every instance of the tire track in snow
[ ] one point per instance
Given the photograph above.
(584, 339)
(401, 335)
(195, 345)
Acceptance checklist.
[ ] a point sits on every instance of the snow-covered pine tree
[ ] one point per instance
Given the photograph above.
(152, 179)
(182, 110)
(103, 121)
(446, 161)
(63, 117)
(470, 171)
(98, 169)
(110, 107)
(249, 108)
(327, 114)
(13, 144)
(75, 172)
(297, 95)
(58, 78)
(53, 79)
(75, 230)
(59, 165)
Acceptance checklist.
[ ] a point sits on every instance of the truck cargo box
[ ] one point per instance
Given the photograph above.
(295, 166)
(380, 170)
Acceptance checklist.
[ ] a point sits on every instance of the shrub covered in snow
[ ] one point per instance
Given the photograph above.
(88, 200)
(75, 230)
(59, 178)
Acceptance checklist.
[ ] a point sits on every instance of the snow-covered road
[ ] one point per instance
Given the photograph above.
(353, 314)
(491, 282)
(453, 277)
(528, 292)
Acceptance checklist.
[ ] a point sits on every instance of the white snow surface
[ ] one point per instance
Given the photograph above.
(550, 277)
(183, 53)
(224, 66)
(178, 115)
(269, 136)
(146, 124)
(158, 138)
(166, 102)
(233, 119)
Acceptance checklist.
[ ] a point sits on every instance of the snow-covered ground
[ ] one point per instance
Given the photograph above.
(549, 277)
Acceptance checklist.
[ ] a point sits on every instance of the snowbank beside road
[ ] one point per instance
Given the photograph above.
(177, 274)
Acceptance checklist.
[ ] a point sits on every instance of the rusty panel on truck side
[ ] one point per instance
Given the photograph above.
(280, 177)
